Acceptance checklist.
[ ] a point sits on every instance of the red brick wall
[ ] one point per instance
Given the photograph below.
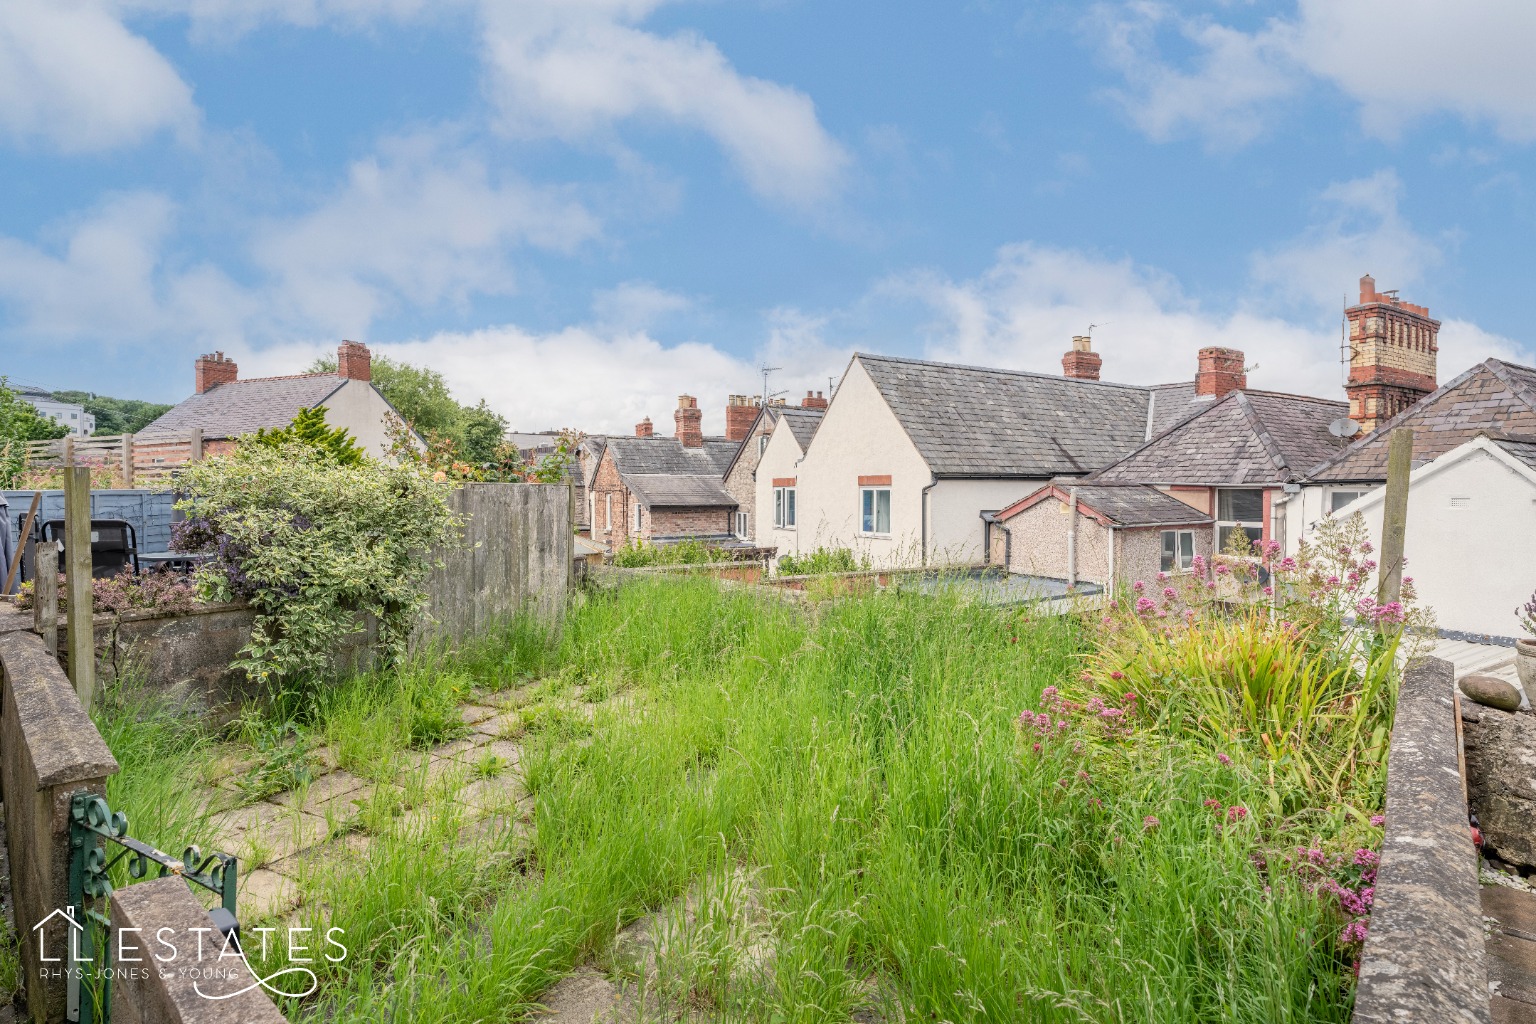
(685, 522)
(605, 485)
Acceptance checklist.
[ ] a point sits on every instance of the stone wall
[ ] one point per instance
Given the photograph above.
(144, 993)
(1423, 958)
(49, 750)
(1502, 780)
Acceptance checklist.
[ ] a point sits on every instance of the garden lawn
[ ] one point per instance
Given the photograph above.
(815, 812)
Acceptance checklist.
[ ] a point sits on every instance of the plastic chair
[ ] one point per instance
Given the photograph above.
(114, 545)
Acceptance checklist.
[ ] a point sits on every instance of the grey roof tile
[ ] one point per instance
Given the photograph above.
(245, 406)
(667, 490)
(662, 472)
(970, 421)
(1493, 396)
(1130, 505)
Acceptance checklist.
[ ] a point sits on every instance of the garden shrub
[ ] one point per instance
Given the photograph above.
(309, 429)
(637, 553)
(314, 546)
(823, 560)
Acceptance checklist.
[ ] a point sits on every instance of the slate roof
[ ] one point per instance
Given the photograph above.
(1243, 438)
(802, 423)
(1523, 449)
(662, 472)
(668, 490)
(1172, 404)
(244, 406)
(969, 421)
(1493, 396)
(1129, 505)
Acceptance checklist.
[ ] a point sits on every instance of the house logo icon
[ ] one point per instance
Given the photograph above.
(75, 928)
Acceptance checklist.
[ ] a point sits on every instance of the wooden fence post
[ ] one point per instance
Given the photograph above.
(69, 449)
(1394, 515)
(21, 543)
(195, 447)
(77, 577)
(128, 461)
(45, 593)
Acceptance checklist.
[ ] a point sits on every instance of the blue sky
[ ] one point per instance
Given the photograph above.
(578, 209)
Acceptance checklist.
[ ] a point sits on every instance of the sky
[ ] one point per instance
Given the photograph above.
(577, 210)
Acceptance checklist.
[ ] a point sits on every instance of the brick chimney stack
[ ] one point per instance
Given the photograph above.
(1221, 370)
(354, 362)
(644, 428)
(1393, 348)
(740, 412)
(1082, 362)
(813, 400)
(690, 422)
(213, 369)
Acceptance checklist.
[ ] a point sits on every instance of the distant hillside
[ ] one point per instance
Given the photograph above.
(115, 415)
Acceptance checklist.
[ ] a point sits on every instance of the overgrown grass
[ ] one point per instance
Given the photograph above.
(860, 765)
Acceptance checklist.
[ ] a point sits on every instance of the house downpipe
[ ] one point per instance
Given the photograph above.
(1072, 538)
(933, 482)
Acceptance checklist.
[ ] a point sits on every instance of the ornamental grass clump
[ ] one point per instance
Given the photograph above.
(315, 546)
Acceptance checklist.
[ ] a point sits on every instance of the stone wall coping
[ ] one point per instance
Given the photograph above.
(146, 614)
(171, 996)
(64, 744)
(1423, 958)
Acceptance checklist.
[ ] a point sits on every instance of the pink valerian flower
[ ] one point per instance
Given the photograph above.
(1353, 932)
(1236, 813)
(1170, 593)
(1378, 820)
(1269, 591)
(1117, 675)
(1129, 699)
(1145, 606)
(1286, 565)
(1224, 759)
(1223, 569)
(1271, 548)
(1213, 804)
(1162, 577)
(1365, 857)
(1366, 547)
(1138, 586)
(1332, 581)
(1150, 823)
(1198, 565)
(1390, 614)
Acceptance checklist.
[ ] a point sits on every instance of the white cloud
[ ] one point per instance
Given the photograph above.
(107, 280)
(636, 305)
(1362, 231)
(1398, 59)
(575, 68)
(420, 224)
(73, 77)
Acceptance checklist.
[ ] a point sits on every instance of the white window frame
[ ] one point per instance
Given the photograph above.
(608, 511)
(741, 526)
(1253, 528)
(786, 508)
(869, 522)
(1180, 562)
(637, 517)
(1334, 492)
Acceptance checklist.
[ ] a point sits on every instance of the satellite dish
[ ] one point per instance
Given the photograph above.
(1343, 427)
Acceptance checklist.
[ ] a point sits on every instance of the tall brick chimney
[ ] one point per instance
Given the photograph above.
(813, 400)
(740, 412)
(353, 361)
(690, 422)
(1393, 347)
(1221, 370)
(1082, 362)
(213, 369)
(644, 428)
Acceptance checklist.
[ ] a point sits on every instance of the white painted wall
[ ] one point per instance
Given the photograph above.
(860, 436)
(1303, 511)
(955, 506)
(780, 459)
(359, 407)
(1475, 564)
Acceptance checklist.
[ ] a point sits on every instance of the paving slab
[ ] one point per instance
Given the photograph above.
(1511, 966)
(581, 997)
(1513, 911)
(501, 793)
(285, 835)
(473, 713)
(227, 827)
(1510, 1011)
(348, 851)
(264, 893)
(321, 790)
(503, 726)
(472, 742)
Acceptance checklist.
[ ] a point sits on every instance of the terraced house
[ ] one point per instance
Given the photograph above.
(656, 489)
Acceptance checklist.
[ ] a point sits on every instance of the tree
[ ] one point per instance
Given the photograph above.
(20, 422)
(309, 429)
(115, 415)
(421, 396)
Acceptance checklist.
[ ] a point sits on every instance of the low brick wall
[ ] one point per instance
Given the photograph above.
(1423, 959)
(156, 986)
(49, 750)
